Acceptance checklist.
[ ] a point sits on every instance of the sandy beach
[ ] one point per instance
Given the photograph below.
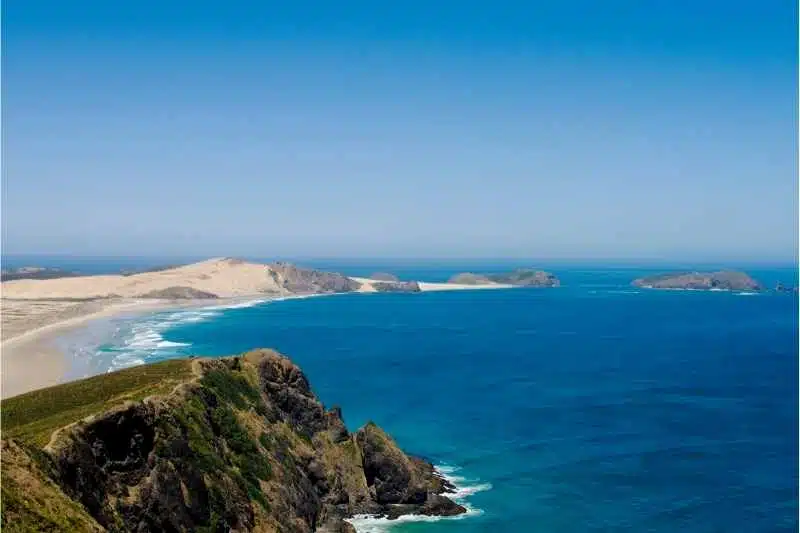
(37, 313)
(31, 358)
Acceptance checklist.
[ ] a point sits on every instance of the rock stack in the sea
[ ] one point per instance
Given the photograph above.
(721, 280)
(521, 277)
(780, 287)
(234, 444)
(308, 281)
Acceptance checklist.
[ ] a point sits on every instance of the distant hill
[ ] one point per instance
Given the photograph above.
(721, 280)
(522, 277)
(35, 272)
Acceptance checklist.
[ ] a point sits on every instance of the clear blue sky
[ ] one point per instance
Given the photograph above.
(576, 129)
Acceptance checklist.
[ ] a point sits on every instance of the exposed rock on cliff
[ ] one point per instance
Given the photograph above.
(306, 281)
(722, 280)
(235, 444)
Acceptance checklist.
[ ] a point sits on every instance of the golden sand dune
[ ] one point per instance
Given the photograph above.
(223, 278)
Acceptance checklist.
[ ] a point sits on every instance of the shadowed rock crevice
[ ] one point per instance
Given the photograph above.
(242, 444)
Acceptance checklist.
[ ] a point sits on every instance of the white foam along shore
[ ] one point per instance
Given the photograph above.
(39, 312)
(464, 489)
(31, 356)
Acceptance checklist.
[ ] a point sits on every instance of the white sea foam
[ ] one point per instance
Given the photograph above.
(145, 341)
(746, 294)
(464, 489)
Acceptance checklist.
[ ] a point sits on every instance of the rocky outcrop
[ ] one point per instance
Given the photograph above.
(384, 276)
(242, 445)
(780, 287)
(179, 293)
(397, 286)
(307, 281)
(721, 280)
(521, 277)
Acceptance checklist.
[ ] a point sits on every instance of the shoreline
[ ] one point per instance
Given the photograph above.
(33, 359)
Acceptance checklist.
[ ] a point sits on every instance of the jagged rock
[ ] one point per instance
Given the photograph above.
(306, 281)
(722, 280)
(232, 444)
(780, 287)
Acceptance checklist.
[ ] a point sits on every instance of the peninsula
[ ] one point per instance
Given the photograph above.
(232, 444)
(721, 280)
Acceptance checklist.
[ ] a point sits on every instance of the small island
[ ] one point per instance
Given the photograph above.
(521, 277)
(723, 280)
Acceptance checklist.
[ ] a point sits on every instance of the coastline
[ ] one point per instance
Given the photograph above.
(32, 359)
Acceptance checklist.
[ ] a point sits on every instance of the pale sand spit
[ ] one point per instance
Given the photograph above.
(29, 357)
(368, 285)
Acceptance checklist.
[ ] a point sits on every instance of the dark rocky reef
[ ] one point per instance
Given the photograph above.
(34, 272)
(308, 281)
(397, 286)
(241, 445)
(721, 280)
(780, 287)
(179, 293)
(521, 277)
(384, 276)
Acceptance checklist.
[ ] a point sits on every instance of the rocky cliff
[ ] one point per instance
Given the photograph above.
(722, 280)
(207, 445)
(299, 280)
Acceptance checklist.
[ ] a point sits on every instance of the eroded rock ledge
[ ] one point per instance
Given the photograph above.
(238, 444)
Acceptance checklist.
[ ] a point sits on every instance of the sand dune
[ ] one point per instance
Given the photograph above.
(225, 278)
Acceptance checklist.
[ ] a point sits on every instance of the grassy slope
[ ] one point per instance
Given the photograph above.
(31, 418)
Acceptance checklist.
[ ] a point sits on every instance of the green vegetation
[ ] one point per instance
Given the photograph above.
(33, 417)
(232, 387)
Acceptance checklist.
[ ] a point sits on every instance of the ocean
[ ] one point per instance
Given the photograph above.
(591, 407)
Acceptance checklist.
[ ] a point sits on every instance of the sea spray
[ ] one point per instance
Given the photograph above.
(464, 488)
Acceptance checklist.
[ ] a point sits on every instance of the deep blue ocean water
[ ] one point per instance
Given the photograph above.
(591, 407)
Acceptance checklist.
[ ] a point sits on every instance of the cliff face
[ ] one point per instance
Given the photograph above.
(236, 444)
(722, 280)
(306, 281)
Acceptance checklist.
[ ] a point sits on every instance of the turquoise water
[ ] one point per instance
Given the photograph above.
(593, 407)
